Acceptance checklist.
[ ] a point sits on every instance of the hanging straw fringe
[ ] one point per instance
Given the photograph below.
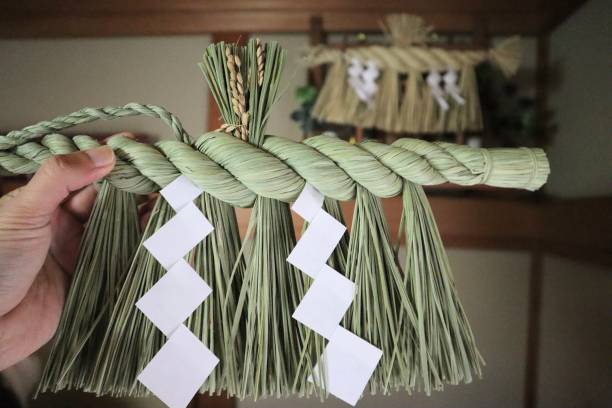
(219, 261)
(109, 241)
(444, 350)
(381, 311)
(131, 340)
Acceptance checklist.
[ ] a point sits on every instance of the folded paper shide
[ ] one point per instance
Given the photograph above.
(336, 312)
(409, 85)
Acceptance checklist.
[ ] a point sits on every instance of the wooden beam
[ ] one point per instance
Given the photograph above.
(534, 307)
(577, 229)
(88, 18)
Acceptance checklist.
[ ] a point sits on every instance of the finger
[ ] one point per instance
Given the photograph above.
(66, 240)
(10, 195)
(61, 175)
(80, 203)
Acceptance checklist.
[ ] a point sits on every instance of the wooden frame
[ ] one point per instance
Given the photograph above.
(89, 18)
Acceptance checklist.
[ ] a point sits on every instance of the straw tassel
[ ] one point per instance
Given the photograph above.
(507, 55)
(387, 102)
(378, 312)
(329, 103)
(445, 350)
(131, 340)
(338, 258)
(109, 241)
(412, 103)
(472, 116)
(219, 261)
(274, 343)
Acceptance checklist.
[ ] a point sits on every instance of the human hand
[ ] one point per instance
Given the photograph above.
(40, 230)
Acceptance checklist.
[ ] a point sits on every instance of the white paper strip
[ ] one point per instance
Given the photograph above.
(308, 203)
(180, 192)
(179, 235)
(326, 302)
(316, 244)
(349, 363)
(174, 297)
(450, 86)
(433, 80)
(178, 370)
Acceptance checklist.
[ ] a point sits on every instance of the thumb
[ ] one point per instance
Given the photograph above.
(61, 175)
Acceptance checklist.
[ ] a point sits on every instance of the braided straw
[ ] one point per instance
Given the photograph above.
(260, 61)
(236, 172)
(506, 56)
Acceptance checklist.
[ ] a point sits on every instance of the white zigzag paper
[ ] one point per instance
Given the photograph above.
(182, 365)
(348, 359)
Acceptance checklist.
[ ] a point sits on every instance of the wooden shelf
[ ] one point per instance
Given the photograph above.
(577, 228)
(88, 18)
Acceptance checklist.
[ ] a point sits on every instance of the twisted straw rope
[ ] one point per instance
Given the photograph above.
(236, 172)
(506, 55)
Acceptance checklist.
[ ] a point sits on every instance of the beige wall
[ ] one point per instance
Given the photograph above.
(45, 78)
(576, 328)
(575, 348)
(581, 99)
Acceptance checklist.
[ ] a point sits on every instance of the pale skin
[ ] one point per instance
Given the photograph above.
(40, 228)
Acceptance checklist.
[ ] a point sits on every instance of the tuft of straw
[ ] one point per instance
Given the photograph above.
(219, 261)
(381, 312)
(337, 260)
(108, 244)
(131, 340)
(444, 350)
(404, 30)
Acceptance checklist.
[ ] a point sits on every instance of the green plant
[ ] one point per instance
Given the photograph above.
(306, 97)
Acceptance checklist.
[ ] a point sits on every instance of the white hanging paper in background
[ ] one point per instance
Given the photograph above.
(180, 192)
(174, 297)
(325, 302)
(451, 87)
(433, 80)
(178, 370)
(179, 235)
(349, 363)
(316, 244)
(362, 78)
(308, 203)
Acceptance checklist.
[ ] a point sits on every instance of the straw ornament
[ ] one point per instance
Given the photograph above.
(405, 102)
(410, 310)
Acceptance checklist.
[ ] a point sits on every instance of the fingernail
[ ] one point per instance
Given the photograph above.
(101, 156)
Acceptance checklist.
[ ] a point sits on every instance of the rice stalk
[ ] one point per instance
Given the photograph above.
(131, 340)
